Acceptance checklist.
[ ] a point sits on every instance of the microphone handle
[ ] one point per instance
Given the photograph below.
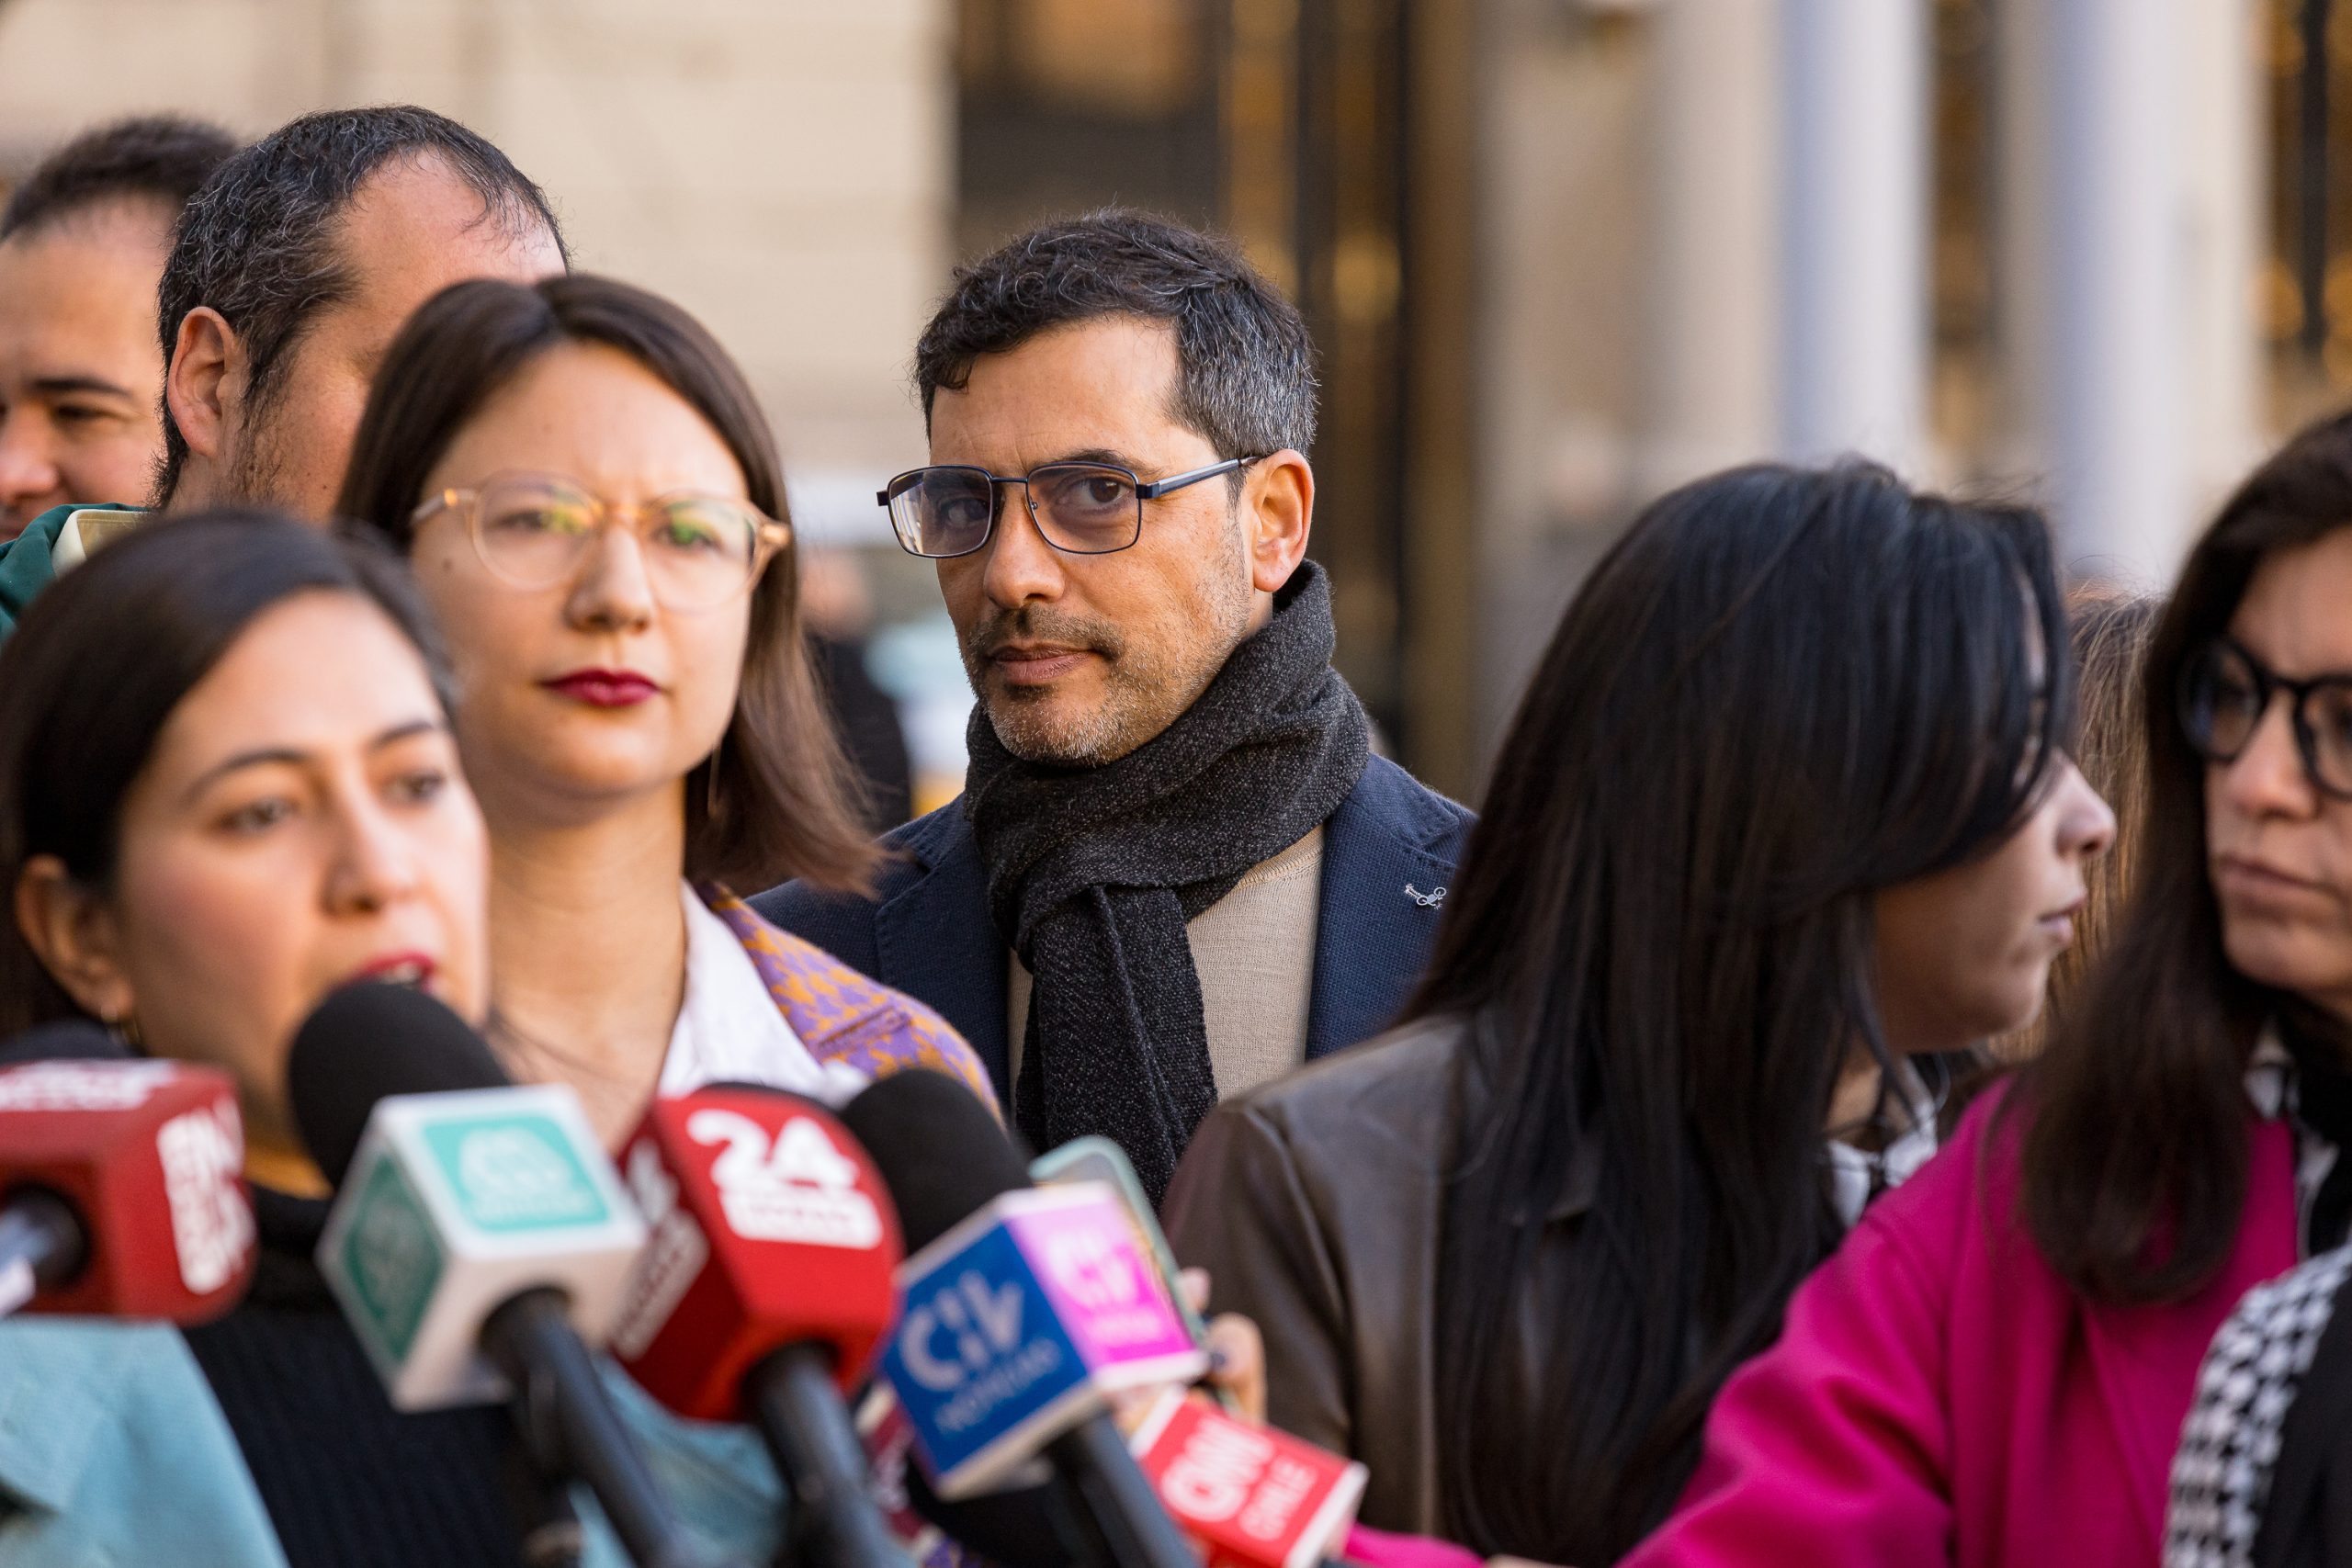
(551, 1536)
(42, 1246)
(792, 1399)
(569, 1422)
(1114, 1495)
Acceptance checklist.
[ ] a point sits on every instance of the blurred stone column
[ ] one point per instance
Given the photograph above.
(1855, 116)
(2100, 233)
(2227, 182)
(1711, 301)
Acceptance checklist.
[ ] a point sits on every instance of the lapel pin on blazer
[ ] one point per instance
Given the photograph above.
(1426, 900)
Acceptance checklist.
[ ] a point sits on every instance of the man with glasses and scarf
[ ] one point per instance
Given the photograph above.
(1176, 871)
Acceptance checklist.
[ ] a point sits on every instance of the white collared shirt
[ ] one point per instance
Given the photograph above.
(2270, 1085)
(1857, 1176)
(729, 1029)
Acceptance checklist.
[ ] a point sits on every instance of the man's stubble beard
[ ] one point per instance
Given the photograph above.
(1146, 688)
(257, 468)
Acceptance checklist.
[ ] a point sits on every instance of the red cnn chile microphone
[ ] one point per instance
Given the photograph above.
(1249, 1496)
(121, 1184)
(764, 1288)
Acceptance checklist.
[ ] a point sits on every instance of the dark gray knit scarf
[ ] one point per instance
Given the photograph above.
(1093, 872)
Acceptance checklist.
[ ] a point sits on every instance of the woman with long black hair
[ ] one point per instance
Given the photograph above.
(1786, 811)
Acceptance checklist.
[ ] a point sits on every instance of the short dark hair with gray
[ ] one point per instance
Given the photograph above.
(1247, 366)
(257, 243)
(161, 158)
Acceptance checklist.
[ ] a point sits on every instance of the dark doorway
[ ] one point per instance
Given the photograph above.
(1331, 137)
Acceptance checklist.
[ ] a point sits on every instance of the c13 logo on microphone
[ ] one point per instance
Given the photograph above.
(515, 1172)
(799, 1188)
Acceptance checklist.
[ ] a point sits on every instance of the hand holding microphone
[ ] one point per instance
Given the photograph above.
(763, 1292)
(121, 1184)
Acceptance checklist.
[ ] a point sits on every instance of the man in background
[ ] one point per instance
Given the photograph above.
(82, 246)
(1176, 871)
(288, 275)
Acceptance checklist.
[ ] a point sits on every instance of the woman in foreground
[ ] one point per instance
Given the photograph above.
(227, 788)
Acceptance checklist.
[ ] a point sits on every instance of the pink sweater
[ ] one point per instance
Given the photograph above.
(1940, 1396)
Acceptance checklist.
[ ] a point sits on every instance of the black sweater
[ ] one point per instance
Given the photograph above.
(349, 1481)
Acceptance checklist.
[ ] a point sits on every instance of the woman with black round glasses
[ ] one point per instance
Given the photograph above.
(1996, 1366)
(2260, 1455)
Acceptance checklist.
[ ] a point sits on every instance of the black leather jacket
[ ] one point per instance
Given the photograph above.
(1314, 1204)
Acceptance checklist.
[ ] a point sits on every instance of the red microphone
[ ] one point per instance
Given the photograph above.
(763, 1291)
(122, 1190)
(1249, 1496)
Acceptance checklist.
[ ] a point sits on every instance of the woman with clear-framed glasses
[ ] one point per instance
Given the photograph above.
(591, 501)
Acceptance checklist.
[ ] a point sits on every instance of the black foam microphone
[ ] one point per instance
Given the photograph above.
(66, 1040)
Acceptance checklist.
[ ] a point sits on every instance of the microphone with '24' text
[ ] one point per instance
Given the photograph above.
(764, 1290)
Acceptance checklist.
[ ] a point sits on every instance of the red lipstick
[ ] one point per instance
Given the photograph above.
(603, 688)
(410, 968)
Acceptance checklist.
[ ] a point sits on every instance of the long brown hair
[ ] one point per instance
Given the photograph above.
(2111, 629)
(781, 806)
(2135, 1148)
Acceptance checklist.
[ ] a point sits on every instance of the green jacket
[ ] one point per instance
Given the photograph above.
(29, 562)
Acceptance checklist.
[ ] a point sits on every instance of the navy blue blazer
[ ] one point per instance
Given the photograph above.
(1388, 848)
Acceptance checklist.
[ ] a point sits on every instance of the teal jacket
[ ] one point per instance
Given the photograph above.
(29, 562)
(114, 1453)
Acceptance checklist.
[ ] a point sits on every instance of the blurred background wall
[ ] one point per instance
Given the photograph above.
(1558, 254)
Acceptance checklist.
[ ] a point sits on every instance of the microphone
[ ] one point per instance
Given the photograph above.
(1249, 1496)
(762, 1293)
(66, 1040)
(480, 1240)
(121, 1182)
(1024, 1309)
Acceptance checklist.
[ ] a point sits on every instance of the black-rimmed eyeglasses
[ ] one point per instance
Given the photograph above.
(2225, 693)
(1083, 509)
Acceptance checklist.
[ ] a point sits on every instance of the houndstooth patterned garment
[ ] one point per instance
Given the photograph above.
(2229, 1445)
